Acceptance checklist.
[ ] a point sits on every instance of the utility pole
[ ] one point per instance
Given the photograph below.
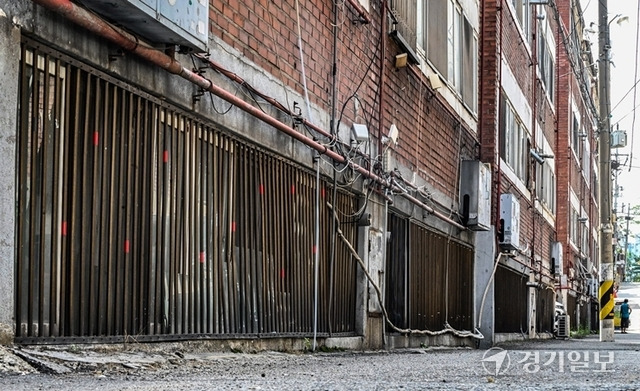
(626, 244)
(605, 293)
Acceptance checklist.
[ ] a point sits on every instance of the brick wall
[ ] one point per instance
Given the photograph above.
(431, 141)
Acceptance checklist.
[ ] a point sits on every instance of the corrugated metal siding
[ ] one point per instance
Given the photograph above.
(545, 310)
(511, 301)
(137, 219)
(572, 311)
(396, 287)
(433, 280)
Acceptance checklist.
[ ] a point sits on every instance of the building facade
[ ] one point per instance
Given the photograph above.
(274, 172)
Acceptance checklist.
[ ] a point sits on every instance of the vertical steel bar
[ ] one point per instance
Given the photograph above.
(93, 234)
(256, 275)
(139, 218)
(198, 229)
(189, 252)
(119, 216)
(74, 283)
(211, 253)
(104, 229)
(112, 187)
(46, 199)
(36, 201)
(164, 242)
(128, 243)
(218, 194)
(24, 185)
(176, 292)
(225, 230)
(152, 198)
(60, 97)
(64, 246)
(82, 188)
(147, 218)
(267, 290)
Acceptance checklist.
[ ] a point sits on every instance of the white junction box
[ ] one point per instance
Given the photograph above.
(510, 220)
(475, 195)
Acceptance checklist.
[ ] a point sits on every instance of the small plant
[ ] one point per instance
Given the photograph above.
(307, 345)
(581, 332)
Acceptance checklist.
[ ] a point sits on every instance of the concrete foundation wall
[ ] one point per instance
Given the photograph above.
(484, 286)
(9, 50)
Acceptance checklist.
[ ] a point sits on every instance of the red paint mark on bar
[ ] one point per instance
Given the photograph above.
(281, 273)
(96, 138)
(202, 257)
(165, 156)
(293, 189)
(64, 228)
(126, 247)
(233, 226)
(261, 189)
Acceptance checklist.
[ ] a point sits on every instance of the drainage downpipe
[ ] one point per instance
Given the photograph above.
(128, 42)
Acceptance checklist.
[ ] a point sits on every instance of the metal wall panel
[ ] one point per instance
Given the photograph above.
(138, 220)
(545, 310)
(430, 278)
(510, 301)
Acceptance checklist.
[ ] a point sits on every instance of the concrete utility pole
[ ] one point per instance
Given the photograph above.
(605, 293)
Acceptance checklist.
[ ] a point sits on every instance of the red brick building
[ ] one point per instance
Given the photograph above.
(362, 174)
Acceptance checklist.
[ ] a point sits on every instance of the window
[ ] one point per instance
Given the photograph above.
(584, 237)
(546, 57)
(573, 227)
(523, 15)
(446, 37)
(546, 186)
(575, 133)
(451, 46)
(586, 159)
(514, 140)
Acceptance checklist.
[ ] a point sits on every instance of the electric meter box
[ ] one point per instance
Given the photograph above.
(618, 139)
(510, 220)
(175, 22)
(556, 258)
(475, 195)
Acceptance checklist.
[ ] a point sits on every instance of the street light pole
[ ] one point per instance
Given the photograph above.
(605, 293)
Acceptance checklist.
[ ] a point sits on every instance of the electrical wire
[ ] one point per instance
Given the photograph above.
(635, 88)
(302, 66)
(447, 327)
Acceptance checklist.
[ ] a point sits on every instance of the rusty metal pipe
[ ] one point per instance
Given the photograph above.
(362, 13)
(239, 80)
(130, 43)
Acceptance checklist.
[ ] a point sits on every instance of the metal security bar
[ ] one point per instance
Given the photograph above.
(430, 277)
(139, 220)
(545, 308)
(510, 293)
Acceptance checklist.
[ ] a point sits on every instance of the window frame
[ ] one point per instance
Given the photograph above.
(514, 140)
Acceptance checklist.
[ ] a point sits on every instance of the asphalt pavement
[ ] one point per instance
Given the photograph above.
(559, 364)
